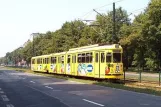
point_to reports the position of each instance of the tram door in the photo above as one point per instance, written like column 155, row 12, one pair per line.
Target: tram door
column 97, row 65
column 69, row 64
column 100, row 64
column 61, row 66
column 73, row 65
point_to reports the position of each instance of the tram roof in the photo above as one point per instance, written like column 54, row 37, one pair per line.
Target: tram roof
column 95, row 48
column 86, row 49
column 41, row 56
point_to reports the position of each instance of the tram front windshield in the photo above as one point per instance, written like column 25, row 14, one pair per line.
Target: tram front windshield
column 116, row 57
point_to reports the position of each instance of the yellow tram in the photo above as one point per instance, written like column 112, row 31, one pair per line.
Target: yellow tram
column 97, row 61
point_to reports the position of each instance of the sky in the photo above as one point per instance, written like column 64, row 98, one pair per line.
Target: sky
column 20, row 18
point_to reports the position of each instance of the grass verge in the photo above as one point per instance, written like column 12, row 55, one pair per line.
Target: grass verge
column 139, row 89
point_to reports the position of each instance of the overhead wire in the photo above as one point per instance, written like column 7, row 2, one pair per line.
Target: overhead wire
column 108, row 4
column 129, row 13
column 136, row 10
column 99, row 8
column 86, row 13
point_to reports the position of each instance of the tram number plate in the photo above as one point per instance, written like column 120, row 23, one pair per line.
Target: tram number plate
column 117, row 69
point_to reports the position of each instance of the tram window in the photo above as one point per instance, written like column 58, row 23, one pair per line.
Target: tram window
column 53, row 60
column 72, row 59
column 90, row 57
column 96, row 57
column 75, row 59
column 47, row 60
column 116, row 57
column 79, row 58
column 37, row 61
column 62, row 59
column 33, row 61
column 83, row 58
column 68, row 59
column 43, row 61
column 108, row 57
column 102, row 57
column 87, row 57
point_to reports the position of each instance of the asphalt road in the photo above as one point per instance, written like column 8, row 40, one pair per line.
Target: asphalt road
column 19, row 89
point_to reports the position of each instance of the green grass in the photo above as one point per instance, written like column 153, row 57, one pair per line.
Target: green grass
column 143, row 77
column 103, row 83
column 122, row 86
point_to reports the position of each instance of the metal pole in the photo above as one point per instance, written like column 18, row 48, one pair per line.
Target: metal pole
column 124, row 77
column 113, row 36
column 159, row 77
column 140, row 76
column 159, row 67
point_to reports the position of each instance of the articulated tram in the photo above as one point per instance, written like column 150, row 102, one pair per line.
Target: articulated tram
column 96, row 61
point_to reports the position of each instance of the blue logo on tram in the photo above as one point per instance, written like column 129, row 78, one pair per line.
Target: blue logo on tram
column 89, row 68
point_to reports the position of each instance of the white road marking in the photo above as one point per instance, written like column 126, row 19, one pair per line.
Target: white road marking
column 93, row 102
column 32, row 81
column 9, row 105
column 4, row 97
column 48, row 95
column 1, row 92
column 56, row 90
column 48, row 87
column 145, row 104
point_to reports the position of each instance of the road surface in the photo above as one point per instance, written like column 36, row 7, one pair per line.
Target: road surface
column 18, row 89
